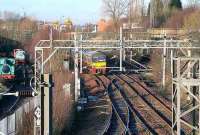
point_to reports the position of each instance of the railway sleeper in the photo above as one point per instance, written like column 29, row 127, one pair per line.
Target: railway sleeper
column 148, row 114
column 153, row 103
column 141, row 127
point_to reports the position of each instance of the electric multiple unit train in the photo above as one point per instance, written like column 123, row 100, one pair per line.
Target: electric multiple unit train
column 94, row 61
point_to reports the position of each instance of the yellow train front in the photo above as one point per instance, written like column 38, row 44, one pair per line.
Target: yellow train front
column 94, row 62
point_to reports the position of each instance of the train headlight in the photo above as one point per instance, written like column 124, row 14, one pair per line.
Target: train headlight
column 6, row 69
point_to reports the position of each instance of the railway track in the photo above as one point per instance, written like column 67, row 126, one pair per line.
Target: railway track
column 120, row 108
column 157, row 106
column 146, row 89
column 124, row 119
column 136, row 109
column 117, row 125
column 163, row 102
column 154, row 122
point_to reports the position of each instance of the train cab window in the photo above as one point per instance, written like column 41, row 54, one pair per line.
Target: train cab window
column 99, row 58
column 8, row 62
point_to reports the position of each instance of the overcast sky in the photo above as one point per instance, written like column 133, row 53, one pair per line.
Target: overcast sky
column 80, row 11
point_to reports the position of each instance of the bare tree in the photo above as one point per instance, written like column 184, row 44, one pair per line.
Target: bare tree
column 166, row 2
column 194, row 3
column 156, row 13
column 136, row 11
column 115, row 9
column 11, row 16
column 1, row 17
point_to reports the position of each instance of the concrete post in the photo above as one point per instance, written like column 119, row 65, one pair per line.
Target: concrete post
column 121, row 50
column 81, row 56
column 46, row 104
column 124, row 54
column 131, row 54
column 76, row 69
column 199, row 94
column 164, row 62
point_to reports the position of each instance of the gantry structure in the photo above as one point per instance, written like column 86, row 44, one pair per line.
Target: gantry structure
column 79, row 43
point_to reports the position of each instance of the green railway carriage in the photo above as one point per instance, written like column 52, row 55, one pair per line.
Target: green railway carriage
column 7, row 68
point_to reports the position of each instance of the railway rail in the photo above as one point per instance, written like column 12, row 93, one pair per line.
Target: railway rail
column 162, row 101
column 117, row 124
column 134, row 125
column 120, row 108
column 154, row 122
column 152, row 100
column 157, row 106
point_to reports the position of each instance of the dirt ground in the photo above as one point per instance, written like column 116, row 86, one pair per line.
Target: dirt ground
column 156, row 65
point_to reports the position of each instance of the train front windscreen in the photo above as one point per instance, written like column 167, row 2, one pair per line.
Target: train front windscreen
column 99, row 59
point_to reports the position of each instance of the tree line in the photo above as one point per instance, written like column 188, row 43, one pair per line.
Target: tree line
column 157, row 13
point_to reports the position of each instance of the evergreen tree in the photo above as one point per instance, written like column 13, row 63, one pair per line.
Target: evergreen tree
column 177, row 4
